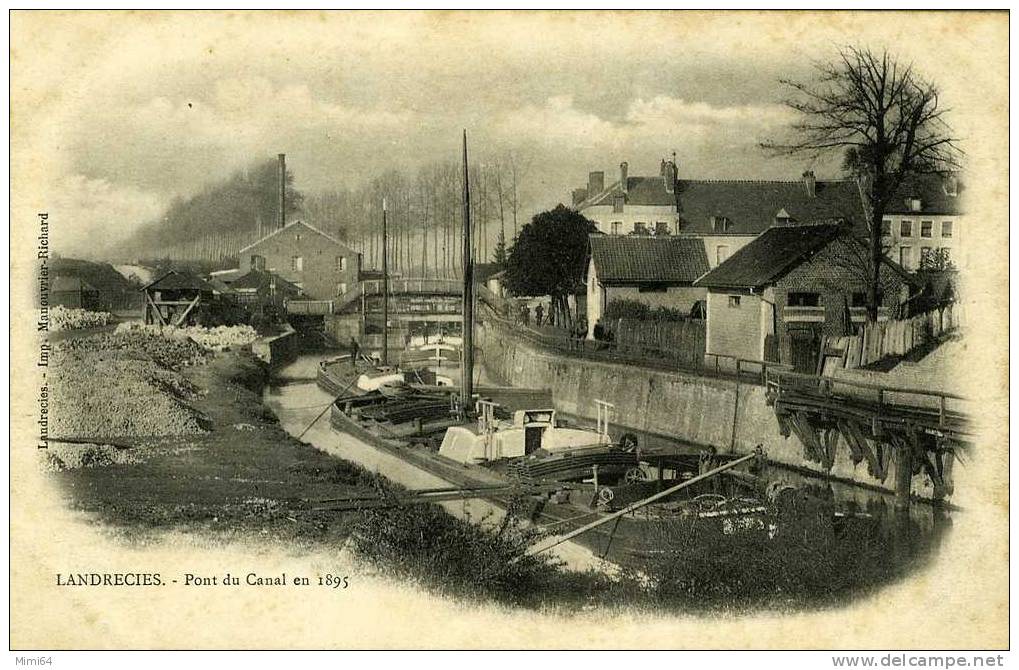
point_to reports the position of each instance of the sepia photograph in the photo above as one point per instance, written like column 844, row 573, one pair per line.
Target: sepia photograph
column 509, row 330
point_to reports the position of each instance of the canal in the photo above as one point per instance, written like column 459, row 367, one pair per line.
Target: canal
column 913, row 533
column 297, row 402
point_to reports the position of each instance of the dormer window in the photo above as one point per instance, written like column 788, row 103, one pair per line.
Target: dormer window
column 914, row 204
column 782, row 217
column 721, row 224
column 617, row 204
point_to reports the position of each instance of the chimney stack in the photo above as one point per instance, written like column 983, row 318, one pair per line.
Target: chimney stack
column 810, row 183
column 281, row 217
column 623, row 168
column 595, row 183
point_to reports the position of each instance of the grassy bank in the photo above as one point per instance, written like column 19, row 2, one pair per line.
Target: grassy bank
column 231, row 471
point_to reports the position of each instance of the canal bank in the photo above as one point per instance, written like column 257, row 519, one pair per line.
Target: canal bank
column 723, row 414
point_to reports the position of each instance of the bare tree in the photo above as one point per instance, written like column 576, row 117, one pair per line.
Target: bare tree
column 886, row 121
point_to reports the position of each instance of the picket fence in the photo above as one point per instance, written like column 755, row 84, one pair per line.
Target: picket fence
column 898, row 337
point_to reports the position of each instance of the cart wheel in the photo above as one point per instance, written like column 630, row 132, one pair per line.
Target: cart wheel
column 634, row 475
column 604, row 497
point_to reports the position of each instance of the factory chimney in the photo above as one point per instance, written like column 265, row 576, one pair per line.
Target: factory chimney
column 281, row 216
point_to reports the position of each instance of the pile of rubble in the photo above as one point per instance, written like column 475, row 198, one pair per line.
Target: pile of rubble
column 219, row 338
column 173, row 352
column 69, row 318
column 123, row 385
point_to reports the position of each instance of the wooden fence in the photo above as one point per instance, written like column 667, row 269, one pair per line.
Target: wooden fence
column 884, row 339
column 683, row 339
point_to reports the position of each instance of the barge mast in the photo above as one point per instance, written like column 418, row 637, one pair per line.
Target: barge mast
column 467, row 369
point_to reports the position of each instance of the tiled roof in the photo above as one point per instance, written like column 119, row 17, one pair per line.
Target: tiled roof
column 750, row 206
column 176, row 280
column 764, row 260
column 930, row 189
column 294, row 223
column 637, row 259
column 260, row 280
column 226, row 276
column 778, row 250
column 639, row 191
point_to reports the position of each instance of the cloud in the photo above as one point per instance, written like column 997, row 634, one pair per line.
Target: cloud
column 176, row 143
column 88, row 214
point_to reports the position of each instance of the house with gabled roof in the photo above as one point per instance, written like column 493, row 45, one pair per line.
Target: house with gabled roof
column 773, row 299
column 724, row 214
column 657, row 271
column 320, row 265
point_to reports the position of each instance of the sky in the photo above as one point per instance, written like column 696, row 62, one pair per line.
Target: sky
column 133, row 110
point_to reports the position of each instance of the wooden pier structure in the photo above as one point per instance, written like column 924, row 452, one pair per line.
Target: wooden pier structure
column 920, row 431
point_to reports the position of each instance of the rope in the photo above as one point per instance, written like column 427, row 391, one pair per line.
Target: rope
column 322, row 413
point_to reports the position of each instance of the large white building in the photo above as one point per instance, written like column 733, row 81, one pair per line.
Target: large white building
column 924, row 217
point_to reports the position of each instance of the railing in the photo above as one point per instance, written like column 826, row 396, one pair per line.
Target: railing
column 741, row 366
column 309, row 307
column 611, row 352
column 425, row 286
column 779, row 381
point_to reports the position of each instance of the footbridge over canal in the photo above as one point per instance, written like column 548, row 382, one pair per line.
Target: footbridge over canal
column 415, row 304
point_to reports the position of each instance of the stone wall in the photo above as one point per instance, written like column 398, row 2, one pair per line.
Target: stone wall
column 278, row 349
column 690, row 408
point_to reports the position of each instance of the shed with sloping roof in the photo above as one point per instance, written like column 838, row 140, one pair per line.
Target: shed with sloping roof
column 177, row 298
column 656, row 271
column 776, row 297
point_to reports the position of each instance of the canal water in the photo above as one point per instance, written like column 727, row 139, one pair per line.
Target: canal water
column 297, row 402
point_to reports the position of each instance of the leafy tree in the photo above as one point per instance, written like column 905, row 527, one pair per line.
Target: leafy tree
column 886, row 122
column 549, row 257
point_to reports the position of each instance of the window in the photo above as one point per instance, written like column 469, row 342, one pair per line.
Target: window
column 915, row 205
column 617, row 204
column 859, row 299
column 926, row 228
column 721, row 224
column 946, row 229
column 341, row 263
column 906, row 257
column 341, row 288
column 804, row 299
column 257, row 262
column 617, row 227
column 297, row 264
column 640, row 228
column 734, row 301
column 886, row 227
column 662, row 228
column 906, row 229
column 721, row 253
